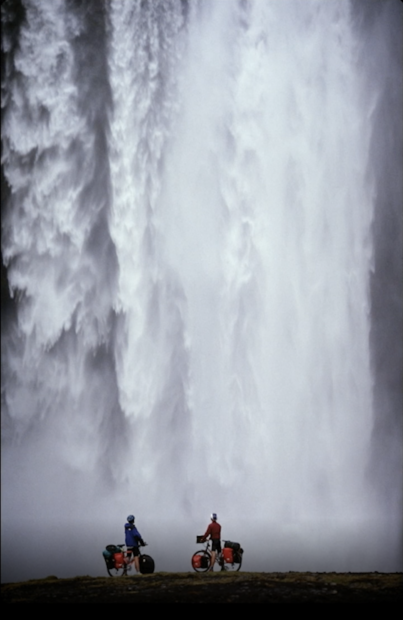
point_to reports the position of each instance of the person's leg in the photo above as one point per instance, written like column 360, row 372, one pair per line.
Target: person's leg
column 129, row 557
column 136, row 559
column 218, row 550
column 215, row 548
column 221, row 560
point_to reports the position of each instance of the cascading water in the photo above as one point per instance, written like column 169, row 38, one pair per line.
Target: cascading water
column 189, row 245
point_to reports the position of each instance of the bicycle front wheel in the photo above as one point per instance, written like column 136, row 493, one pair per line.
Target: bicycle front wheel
column 201, row 561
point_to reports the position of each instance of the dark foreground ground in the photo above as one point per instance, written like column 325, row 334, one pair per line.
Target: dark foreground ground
column 212, row 588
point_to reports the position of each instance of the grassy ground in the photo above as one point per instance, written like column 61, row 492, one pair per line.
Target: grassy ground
column 212, row 588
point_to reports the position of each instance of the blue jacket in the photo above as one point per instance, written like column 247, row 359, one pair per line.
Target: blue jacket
column 132, row 535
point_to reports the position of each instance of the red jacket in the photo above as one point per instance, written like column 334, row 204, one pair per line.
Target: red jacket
column 213, row 530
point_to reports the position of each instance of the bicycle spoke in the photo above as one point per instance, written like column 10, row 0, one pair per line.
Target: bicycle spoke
column 117, row 572
column 201, row 561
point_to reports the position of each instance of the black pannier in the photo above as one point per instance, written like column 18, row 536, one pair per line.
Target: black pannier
column 146, row 564
column 113, row 549
column 232, row 545
column 238, row 556
column 109, row 553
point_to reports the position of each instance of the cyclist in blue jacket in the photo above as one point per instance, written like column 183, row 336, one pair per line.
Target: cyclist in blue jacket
column 132, row 540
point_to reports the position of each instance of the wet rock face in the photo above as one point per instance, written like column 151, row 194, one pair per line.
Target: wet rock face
column 201, row 239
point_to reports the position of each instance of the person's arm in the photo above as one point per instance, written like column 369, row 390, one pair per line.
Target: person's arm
column 139, row 539
column 208, row 531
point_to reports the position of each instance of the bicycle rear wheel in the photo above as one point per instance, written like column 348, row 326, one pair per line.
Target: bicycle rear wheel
column 117, row 572
column 235, row 565
column 201, row 561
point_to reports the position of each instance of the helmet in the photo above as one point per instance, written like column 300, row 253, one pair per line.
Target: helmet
column 130, row 519
column 214, row 516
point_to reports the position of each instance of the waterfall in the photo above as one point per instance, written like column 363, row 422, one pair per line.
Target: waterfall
column 189, row 245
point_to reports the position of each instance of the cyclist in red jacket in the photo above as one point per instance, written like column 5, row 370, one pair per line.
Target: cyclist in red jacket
column 214, row 531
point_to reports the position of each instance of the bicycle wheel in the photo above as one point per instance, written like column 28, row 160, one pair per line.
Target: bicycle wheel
column 117, row 566
column 117, row 572
column 235, row 565
column 201, row 561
